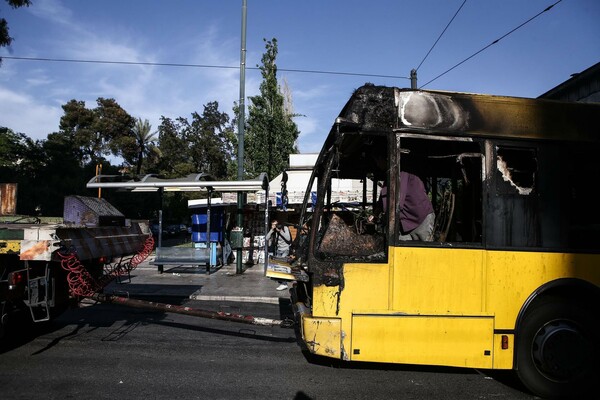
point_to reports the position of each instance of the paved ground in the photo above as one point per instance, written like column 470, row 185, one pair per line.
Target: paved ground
column 222, row 283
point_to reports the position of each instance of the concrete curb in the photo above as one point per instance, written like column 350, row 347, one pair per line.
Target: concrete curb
column 241, row 299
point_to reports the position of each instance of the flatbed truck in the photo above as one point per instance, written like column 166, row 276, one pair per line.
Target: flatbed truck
column 46, row 266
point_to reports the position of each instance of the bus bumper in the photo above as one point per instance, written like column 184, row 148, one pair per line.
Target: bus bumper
column 322, row 336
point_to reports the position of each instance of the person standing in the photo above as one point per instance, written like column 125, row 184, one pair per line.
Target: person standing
column 279, row 239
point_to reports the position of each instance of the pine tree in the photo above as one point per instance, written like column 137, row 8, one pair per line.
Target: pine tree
column 271, row 133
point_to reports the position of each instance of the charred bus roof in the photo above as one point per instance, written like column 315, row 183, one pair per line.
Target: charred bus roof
column 386, row 109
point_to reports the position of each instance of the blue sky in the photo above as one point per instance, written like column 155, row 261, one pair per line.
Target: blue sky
column 377, row 37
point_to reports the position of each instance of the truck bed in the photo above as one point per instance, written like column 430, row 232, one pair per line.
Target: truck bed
column 40, row 241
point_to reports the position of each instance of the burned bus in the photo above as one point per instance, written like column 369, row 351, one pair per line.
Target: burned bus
column 510, row 275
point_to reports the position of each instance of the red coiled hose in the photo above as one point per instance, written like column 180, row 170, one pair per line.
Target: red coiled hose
column 82, row 284
column 144, row 253
column 79, row 279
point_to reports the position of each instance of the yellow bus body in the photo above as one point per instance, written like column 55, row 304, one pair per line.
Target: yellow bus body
column 508, row 276
column 435, row 306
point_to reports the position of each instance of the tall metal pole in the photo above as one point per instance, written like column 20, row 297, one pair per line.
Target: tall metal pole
column 241, row 126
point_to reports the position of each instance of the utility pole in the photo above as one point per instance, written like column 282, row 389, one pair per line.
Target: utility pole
column 413, row 78
column 241, row 126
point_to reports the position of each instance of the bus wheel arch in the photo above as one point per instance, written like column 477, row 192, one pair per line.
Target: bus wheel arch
column 557, row 349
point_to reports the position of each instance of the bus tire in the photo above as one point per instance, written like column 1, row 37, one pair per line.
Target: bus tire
column 557, row 349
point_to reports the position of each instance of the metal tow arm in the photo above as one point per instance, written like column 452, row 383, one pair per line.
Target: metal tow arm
column 176, row 309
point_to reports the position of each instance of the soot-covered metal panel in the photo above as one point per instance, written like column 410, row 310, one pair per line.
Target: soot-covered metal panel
column 91, row 211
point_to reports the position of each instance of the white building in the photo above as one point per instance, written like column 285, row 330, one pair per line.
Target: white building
column 299, row 172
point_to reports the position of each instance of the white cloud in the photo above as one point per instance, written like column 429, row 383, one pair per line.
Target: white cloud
column 143, row 91
column 40, row 81
column 52, row 10
column 41, row 119
column 147, row 91
column 311, row 93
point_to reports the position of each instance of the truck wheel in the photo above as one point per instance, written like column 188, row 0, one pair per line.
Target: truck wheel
column 557, row 349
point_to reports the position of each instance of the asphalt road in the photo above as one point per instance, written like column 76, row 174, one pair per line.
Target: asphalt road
column 114, row 352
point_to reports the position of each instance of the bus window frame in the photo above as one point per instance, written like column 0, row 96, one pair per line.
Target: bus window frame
column 324, row 173
column 459, row 141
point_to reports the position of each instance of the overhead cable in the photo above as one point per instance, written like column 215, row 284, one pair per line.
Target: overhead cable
column 155, row 64
column 494, row 42
column 441, row 34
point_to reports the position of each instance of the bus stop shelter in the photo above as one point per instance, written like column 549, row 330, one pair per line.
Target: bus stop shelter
column 193, row 183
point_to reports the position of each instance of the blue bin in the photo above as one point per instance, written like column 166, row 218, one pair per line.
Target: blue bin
column 216, row 226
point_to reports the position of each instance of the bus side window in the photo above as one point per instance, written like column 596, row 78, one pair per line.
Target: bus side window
column 452, row 173
column 457, row 201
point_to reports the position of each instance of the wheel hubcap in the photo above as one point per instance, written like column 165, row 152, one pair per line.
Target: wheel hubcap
column 560, row 351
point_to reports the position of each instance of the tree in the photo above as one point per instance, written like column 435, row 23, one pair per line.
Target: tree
column 11, row 148
column 5, row 39
column 25, row 162
column 114, row 126
column 62, row 174
column 20, row 156
column 102, row 131
column 77, row 128
column 271, row 133
column 144, row 143
column 202, row 145
column 209, row 142
column 174, row 162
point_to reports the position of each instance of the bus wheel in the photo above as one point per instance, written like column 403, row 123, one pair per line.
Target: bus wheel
column 557, row 349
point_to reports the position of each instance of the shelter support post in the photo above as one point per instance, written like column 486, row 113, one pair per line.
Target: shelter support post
column 240, row 223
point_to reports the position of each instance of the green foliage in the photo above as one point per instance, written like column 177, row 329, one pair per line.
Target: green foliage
column 202, row 145
column 59, row 175
column 114, row 125
column 21, row 158
column 61, row 165
column 12, row 147
column 172, row 145
column 232, row 138
column 141, row 145
column 95, row 133
column 5, row 38
column 271, row 133
column 44, row 171
column 208, row 136
column 77, row 128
